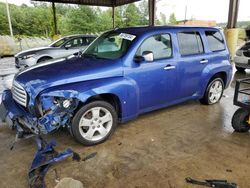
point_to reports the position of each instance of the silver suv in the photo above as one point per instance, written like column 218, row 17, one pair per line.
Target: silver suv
column 63, row 47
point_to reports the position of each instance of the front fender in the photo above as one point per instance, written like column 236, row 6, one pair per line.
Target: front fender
column 124, row 89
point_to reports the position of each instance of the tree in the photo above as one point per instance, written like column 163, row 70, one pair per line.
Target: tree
column 81, row 19
column 143, row 9
column 132, row 16
column 172, row 19
column 163, row 18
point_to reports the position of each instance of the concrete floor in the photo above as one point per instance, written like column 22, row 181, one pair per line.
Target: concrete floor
column 159, row 149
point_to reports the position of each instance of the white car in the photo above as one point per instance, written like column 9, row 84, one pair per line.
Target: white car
column 61, row 48
column 242, row 58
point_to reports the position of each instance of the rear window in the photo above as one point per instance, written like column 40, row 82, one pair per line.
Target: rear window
column 190, row 43
column 215, row 41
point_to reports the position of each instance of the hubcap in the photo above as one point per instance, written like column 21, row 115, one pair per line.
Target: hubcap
column 215, row 92
column 95, row 124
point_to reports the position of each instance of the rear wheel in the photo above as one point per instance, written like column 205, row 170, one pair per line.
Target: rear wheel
column 240, row 69
column 240, row 120
column 213, row 92
column 94, row 123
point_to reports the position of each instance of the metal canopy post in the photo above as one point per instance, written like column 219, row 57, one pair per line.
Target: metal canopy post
column 9, row 20
column 151, row 11
column 113, row 16
column 54, row 18
column 233, row 14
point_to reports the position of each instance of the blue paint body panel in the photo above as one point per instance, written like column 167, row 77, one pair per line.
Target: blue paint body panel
column 139, row 87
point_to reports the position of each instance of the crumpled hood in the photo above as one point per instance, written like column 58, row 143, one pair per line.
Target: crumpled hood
column 31, row 51
column 65, row 71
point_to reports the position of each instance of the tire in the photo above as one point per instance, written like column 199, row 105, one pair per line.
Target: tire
column 213, row 92
column 43, row 59
column 240, row 69
column 88, row 123
column 239, row 120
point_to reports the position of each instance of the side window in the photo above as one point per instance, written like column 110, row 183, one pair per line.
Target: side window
column 190, row 43
column 215, row 41
column 84, row 42
column 74, row 43
column 90, row 40
column 160, row 45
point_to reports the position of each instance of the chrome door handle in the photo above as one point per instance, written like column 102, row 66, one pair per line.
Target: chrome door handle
column 203, row 61
column 169, row 67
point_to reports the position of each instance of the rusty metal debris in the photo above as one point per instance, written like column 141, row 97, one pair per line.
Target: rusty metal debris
column 212, row 183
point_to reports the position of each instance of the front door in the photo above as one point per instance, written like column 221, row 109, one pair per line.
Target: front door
column 156, row 80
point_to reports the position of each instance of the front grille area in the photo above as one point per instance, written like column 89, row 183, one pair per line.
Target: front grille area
column 19, row 94
column 246, row 53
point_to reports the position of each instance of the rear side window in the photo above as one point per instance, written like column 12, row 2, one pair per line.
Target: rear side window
column 215, row 41
column 190, row 43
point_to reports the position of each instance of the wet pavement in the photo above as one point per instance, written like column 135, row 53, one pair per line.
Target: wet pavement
column 158, row 149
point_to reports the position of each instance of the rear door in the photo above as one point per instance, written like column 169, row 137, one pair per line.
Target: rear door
column 192, row 61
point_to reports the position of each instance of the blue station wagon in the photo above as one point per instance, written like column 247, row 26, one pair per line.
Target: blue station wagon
column 123, row 73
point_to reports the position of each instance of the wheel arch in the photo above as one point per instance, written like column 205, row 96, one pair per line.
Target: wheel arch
column 221, row 74
column 108, row 97
column 45, row 56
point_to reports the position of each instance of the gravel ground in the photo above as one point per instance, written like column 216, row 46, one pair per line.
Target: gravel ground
column 7, row 72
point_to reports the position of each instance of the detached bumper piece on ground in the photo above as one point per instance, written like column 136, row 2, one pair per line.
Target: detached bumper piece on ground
column 212, row 183
column 44, row 158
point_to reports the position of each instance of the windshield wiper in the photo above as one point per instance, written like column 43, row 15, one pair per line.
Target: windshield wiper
column 91, row 55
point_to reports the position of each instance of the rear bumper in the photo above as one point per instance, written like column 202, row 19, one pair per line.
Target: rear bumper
column 242, row 61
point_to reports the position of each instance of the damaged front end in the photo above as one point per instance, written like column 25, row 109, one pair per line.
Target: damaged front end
column 50, row 112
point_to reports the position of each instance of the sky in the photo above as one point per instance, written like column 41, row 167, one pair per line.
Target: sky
column 198, row 9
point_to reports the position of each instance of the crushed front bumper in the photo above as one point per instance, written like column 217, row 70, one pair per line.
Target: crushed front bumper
column 17, row 117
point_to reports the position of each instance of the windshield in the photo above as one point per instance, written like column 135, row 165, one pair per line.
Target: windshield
column 59, row 42
column 110, row 45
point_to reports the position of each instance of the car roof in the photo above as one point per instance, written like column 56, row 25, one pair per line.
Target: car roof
column 143, row 29
column 79, row 35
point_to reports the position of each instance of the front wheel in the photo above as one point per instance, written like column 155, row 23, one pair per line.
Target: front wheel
column 213, row 92
column 240, row 120
column 94, row 123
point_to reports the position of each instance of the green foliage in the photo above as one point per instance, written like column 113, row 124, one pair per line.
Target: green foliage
column 163, row 19
column 78, row 20
column 172, row 19
column 37, row 20
column 132, row 16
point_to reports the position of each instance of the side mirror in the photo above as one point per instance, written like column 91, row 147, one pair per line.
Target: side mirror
column 79, row 53
column 148, row 56
column 67, row 46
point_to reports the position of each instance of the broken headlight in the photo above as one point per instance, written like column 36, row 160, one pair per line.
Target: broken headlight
column 55, row 104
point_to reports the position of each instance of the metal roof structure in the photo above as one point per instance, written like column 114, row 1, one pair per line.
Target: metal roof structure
column 107, row 3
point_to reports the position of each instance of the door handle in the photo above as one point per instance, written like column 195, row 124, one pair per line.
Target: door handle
column 169, row 67
column 203, row 61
